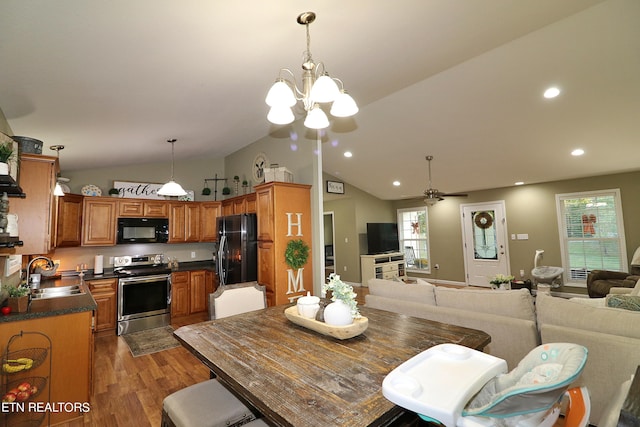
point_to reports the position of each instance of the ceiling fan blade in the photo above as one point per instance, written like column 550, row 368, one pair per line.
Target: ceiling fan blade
column 453, row 195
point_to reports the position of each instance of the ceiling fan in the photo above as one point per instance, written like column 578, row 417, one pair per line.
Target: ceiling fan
column 432, row 195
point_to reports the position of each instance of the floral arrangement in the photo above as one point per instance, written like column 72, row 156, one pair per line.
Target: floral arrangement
column 499, row 279
column 342, row 291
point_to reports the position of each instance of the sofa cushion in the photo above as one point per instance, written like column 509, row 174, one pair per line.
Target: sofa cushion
column 517, row 304
column 421, row 292
column 625, row 302
column 568, row 313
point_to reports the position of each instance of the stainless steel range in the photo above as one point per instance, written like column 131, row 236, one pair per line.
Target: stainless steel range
column 144, row 292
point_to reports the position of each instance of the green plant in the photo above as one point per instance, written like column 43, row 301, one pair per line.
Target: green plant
column 296, row 254
column 236, row 178
column 206, row 191
column 245, row 183
column 114, row 191
column 342, row 291
column 17, row 291
column 226, row 191
column 6, row 152
column 499, row 279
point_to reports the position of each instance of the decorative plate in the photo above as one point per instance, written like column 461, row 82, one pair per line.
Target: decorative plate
column 91, row 190
column 259, row 163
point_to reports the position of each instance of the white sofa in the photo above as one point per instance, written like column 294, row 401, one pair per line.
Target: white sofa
column 516, row 326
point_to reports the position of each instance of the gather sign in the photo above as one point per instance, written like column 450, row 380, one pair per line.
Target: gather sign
column 138, row 190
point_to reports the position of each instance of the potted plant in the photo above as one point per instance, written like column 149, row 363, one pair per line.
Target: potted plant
column 6, row 153
column 500, row 281
column 114, row 192
column 344, row 307
column 18, row 298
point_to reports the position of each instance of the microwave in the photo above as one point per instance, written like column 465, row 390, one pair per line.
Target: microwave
column 143, row 230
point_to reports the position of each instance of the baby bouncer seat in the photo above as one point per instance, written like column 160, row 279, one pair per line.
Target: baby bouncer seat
column 457, row 386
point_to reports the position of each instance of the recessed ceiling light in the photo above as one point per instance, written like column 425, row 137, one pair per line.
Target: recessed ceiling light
column 577, row 152
column 552, row 92
column 396, row 183
column 348, row 154
column 519, row 183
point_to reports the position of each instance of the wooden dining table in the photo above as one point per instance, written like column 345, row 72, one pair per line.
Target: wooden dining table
column 298, row 377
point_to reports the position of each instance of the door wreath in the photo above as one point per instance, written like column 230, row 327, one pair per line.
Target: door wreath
column 296, row 253
column 483, row 220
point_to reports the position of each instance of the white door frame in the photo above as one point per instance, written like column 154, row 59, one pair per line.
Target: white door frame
column 501, row 230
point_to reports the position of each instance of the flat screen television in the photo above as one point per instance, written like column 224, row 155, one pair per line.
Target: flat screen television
column 382, row 237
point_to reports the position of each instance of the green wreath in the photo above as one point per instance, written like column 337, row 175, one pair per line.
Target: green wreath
column 296, row 254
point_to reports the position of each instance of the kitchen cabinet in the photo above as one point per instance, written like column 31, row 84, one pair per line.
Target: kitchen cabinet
column 284, row 214
column 104, row 292
column 239, row 204
column 71, row 357
column 190, row 292
column 209, row 213
column 36, row 212
column 184, row 222
column 99, row 221
column 131, row 208
column 68, row 231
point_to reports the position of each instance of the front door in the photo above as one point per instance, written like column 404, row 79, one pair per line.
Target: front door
column 484, row 231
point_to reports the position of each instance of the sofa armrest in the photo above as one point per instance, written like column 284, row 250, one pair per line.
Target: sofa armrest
column 620, row 291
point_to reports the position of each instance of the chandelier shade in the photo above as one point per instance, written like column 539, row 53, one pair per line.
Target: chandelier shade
column 57, row 190
column 317, row 87
column 316, row 119
column 171, row 188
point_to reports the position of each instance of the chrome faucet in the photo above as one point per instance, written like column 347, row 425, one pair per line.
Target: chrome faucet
column 49, row 261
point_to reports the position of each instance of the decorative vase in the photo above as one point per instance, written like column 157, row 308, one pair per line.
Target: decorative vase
column 338, row 314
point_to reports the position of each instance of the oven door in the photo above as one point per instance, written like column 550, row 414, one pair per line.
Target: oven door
column 144, row 296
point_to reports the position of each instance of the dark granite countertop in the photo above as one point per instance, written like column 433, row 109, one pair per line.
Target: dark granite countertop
column 56, row 306
column 84, row 302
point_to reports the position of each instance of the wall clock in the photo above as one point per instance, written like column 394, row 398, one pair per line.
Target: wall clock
column 259, row 163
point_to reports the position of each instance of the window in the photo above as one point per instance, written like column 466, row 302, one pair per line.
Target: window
column 413, row 233
column 591, row 233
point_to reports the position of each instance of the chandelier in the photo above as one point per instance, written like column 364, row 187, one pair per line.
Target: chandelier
column 171, row 188
column 317, row 88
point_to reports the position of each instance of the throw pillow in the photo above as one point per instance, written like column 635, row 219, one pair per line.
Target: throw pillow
column 626, row 302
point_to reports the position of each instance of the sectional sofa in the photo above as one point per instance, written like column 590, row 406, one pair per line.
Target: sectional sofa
column 518, row 322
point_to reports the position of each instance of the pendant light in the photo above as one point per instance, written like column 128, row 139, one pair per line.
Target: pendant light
column 57, row 190
column 171, row 188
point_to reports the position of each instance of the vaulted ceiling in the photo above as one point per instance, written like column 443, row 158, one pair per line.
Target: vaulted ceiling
column 460, row 80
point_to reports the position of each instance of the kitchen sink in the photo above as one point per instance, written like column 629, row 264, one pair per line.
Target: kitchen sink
column 57, row 291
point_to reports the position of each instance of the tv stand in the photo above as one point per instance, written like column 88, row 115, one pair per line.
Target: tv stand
column 382, row 266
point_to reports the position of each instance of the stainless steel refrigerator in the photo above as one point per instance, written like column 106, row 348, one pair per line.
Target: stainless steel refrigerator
column 237, row 255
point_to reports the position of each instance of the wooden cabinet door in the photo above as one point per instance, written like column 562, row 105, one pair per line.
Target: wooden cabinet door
column 197, row 291
column 192, row 222
column 250, row 203
column 264, row 209
column 180, row 294
column 227, row 207
column 69, row 225
column 99, row 222
column 130, row 208
column 155, row 209
column 266, row 270
column 177, row 212
column 209, row 213
column 104, row 292
column 36, row 212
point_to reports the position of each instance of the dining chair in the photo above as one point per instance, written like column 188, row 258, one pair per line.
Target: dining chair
column 209, row 403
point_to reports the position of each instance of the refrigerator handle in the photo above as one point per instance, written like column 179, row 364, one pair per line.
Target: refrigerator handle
column 221, row 260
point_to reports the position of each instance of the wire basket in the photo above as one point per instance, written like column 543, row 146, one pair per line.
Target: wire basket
column 22, row 360
column 31, row 385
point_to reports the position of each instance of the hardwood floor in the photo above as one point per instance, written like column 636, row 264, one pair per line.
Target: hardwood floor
column 129, row 391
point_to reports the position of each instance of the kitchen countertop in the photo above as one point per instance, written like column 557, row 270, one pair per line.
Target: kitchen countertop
column 56, row 306
column 84, row 302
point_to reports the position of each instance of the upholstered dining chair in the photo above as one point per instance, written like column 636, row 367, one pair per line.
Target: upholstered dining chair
column 209, row 403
